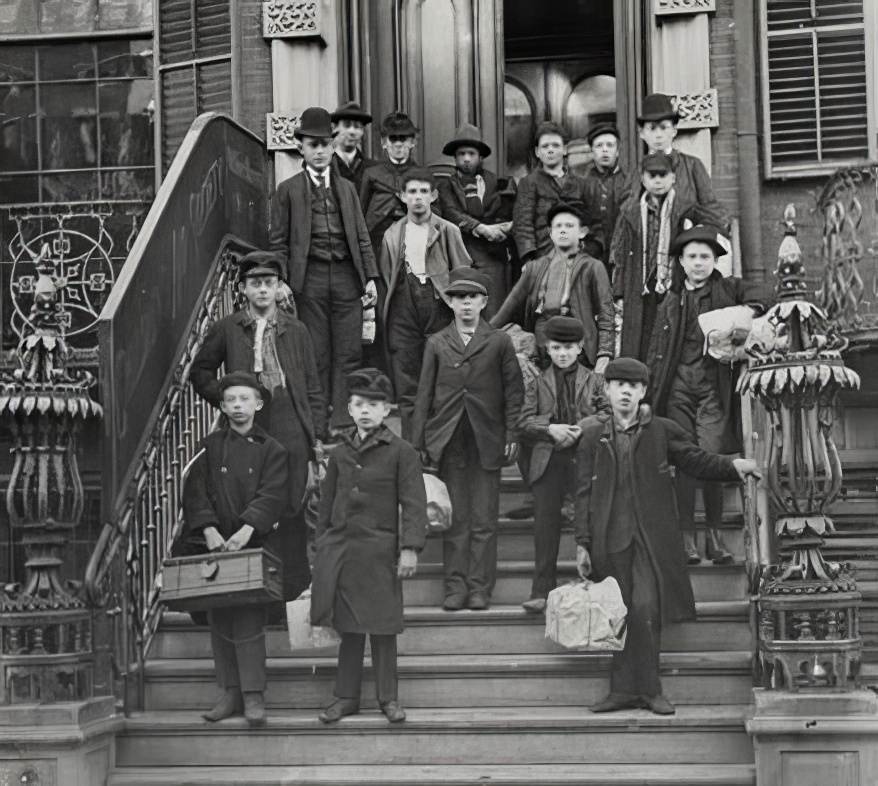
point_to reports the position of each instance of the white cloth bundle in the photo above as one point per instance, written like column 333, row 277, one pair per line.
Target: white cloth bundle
column 587, row 616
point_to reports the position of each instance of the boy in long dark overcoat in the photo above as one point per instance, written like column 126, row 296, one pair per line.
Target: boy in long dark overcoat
column 565, row 282
column 606, row 185
column 472, row 199
column 694, row 390
column 627, row 527
column 349, row 123
column 564, row 394
column 372, row 524
column 466, row 423
column 275, row 346
column 232, row 498
column 318, row 228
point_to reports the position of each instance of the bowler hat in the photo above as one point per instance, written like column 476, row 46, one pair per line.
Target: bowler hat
column 259, row 263
column 314, row 122
column 657, row 106
column 466, row 281
column 351, row 111
column 567, row 330
column 467, row 135
column 398, row 124
column 697, row 234
column 657, row 162
column 627, row 370
column 369, row 383
column 600, row 129
column 574, row 208
column 243, row 379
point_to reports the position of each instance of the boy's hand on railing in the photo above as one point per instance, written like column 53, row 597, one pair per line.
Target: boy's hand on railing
column 746, row 467
column 240, row 539
column 408, row 563
column 213, row 539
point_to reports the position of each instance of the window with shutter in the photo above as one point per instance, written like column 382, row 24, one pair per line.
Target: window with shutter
column 194, row 66
column 817, row 85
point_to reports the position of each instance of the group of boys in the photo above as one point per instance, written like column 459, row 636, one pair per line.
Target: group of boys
column 349, row 234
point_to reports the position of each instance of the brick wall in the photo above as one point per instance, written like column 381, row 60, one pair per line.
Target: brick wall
column 722, row 77
column 254, row 73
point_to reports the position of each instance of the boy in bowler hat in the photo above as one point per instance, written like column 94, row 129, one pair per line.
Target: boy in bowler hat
column 606, row 185
column 627, row 527
column 473, row 199
column 317, row 226
column 272, row 344
column 349, row 123
column 372, row 524
column 691, row 388
column 233, row 496
column 466, row 422
column 564, row 394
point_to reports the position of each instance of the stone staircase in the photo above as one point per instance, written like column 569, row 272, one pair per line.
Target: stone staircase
column 489, row 699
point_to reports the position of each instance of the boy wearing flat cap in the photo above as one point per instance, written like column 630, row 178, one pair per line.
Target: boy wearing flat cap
column 694, row 390
column 465, row 422
column 627, row 527
column 563, row 395
column 318, row 228
column 473, row 199
column 233, row 496
column 275, row 346
column 417, row 254
column 349, row 123
column 639, row 256
column 372, row 524
column 566, row 282
column 606, row 185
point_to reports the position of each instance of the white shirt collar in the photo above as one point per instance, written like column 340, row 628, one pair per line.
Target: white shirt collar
column 317, row 176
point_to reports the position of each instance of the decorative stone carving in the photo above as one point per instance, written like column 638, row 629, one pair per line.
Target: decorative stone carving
column 280, row 130
column 680, row 7
column 698, row 110
column 291, row 19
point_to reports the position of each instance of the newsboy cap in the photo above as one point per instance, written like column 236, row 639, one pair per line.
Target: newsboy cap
column 697, row 234
column 398, row 124
column 351, row 111
column 314, row 122
column 574, row 208
column 657, row 106
column 567, row 330
column 600, row 129
column 243, row 379
column 466, row 281
column 627, row 370
column 657, row 162
column 369, row 383
column 259, row 263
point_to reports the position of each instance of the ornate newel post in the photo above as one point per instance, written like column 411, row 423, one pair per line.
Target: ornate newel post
column 46, row 652
column 811, row 723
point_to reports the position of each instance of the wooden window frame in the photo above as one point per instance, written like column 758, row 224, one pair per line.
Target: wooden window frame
column 819, row 168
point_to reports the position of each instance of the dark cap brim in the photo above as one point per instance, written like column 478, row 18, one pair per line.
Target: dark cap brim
column 450, row 148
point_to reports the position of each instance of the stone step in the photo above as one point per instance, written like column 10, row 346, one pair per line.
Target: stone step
column 709, row 582
column 474, row 736
column 579, row 774
column 461, row 681
column 509, row 629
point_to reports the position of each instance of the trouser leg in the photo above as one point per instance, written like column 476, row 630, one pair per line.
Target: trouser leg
column 496, row 274
column 548, row 493
column 484, row 500
column 455, row 541
column 347, row 347
column 710, row 425
column 349, row 677
column 406, row 362
column 315, row 313
column 221, row 637
column 384, row 667
column 682, row 409
column 238, row 640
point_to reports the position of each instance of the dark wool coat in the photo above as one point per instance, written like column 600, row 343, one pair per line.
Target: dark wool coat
column 667, row 343
column 482, row 379
column 353, row 173
column 591, row 302
column 605, row 193
column 372, row 506
column 236, row 480
column 626, row 261
column 290, row 233
column 537, row 192
column 295, row 417
column 540, row 410
column 658, row 444
column 497, row 207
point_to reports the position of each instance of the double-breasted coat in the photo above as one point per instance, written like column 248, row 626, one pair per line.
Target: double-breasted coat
column 481, row 378
column 372, row 506
column 605, row 193
column 658, row 444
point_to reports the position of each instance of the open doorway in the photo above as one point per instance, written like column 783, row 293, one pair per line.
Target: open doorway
column 560, row 65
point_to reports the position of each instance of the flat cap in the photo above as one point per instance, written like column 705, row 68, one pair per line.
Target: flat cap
column 369, row 383
column 243, row 379
column 466, row 280
column 600, row 129
column 700, row 233
column 260, row 263
column 657, row 162
column 574, row 208
column 627, row 370
column 567, row 330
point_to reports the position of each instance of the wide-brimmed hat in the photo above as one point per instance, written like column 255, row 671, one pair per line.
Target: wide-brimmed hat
column 467, row 135
column 697, row 234
column 398, row 124
column 314, row 122
column 600, row 129
column 259, row 263
column 243, row 379
column 657, row 106
column 369, row 383
column 351, row 111
column 466, row 281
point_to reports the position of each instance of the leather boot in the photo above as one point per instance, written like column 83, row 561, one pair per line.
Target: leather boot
column 230, row 703
column 692, row 556
column 254, row 708
column 715, row 549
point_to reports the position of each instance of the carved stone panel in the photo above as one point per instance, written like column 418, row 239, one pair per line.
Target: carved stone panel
column 280, row 128
column 698, row 110
column 676, row 7
column 291, row 19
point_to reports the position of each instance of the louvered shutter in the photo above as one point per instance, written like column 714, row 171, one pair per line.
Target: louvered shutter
column 194, row 66
column 816, row 86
